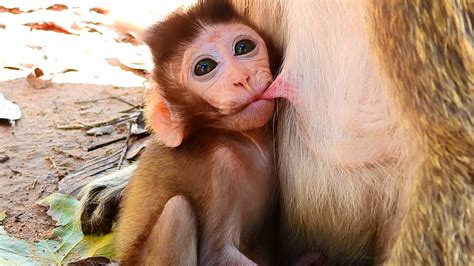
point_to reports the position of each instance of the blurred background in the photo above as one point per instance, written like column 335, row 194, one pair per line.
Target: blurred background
column 78, row 41
column 66, row 67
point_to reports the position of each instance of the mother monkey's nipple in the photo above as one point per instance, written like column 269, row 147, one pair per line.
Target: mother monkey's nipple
column 281, row 87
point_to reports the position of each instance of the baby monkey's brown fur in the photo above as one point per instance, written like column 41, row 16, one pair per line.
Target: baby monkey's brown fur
column 218, row 174
column 208, row 194
column 425, row 48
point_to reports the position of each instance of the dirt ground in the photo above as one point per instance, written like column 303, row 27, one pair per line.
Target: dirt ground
column 85, row 62
column 41, row 155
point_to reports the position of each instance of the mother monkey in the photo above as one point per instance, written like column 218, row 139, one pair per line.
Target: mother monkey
column 375, row 150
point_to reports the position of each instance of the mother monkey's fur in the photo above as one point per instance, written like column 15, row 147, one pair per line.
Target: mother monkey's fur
column 376, row 152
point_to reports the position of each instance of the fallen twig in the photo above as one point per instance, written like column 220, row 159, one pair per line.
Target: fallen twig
column 95, row 147
column 70, row 126
column 73, row 183
column 67, row 154
column 106, row 98
column 125, row 148
column 80, row 125
column 34, row 184
column 131, row 109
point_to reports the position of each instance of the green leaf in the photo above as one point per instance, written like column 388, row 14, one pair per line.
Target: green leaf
column 3, row 215
column 67, row 245
column 15, row 251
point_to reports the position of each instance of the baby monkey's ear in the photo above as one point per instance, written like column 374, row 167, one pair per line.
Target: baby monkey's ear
column 161, row 120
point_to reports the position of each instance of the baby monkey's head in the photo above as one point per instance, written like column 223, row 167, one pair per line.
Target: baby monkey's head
column 211, row 67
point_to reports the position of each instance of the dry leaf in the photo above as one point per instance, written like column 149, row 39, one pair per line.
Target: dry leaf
column 48, row 26
column 12, row 67
column 68, row 70
column 134, row 68
column 69, row 243
column 76, row 27
column 38, row 72
column 127, row 37
column 137, row 147
column 37, row 79
column 14, row 10
column 92, row 30
column 100, row 10
column 57, row 7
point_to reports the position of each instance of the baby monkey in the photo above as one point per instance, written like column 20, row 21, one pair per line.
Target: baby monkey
column 206, row 192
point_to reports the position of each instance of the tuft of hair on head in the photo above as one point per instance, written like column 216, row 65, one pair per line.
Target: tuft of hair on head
column 183, row 26
column 166, row 37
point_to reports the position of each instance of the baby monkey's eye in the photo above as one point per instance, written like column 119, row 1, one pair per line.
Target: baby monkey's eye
column 204, row 66
column 244, row 47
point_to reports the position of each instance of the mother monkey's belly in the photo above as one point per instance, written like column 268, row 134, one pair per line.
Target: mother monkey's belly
column 337, row 143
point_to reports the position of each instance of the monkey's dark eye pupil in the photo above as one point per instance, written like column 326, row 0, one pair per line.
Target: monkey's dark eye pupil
column 204, row 67
column 244, row 47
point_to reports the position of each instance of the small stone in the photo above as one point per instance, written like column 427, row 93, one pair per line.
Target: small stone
column 4, row 158
column 101, row 131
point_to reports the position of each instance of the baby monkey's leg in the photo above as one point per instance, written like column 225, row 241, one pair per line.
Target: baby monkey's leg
column 173, row 239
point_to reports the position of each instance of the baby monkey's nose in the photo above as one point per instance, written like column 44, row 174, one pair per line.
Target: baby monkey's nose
column 243, row 82
column 241, row 78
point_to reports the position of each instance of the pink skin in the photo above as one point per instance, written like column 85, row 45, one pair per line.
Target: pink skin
column 280, row 88
column 234, row 87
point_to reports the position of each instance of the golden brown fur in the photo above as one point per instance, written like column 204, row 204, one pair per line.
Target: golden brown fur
column 207, row 185
column 328, row 204
column 426, row 50
column 419, row 52
column 160, row 176
column 455, row 76
column 416, row 59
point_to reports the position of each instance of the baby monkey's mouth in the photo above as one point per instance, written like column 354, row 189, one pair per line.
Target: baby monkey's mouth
column 254, row 113
column 254, row 102
column 243, row 107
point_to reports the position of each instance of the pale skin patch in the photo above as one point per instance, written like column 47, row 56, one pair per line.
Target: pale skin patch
column 237, row 81
column 234, row 87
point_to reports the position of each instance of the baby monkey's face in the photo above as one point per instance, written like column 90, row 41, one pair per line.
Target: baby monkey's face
column 228, row 66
